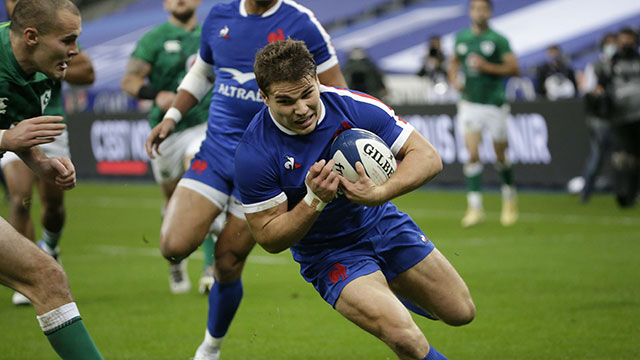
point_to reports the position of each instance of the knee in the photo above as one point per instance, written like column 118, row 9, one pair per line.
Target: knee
column 462, row 313
column 20, row 204
column 408, row 342
column 228, row 265
column 50, row 283
column 172, row 248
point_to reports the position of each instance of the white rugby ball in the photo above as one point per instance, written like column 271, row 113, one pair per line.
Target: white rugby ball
column 355, row 145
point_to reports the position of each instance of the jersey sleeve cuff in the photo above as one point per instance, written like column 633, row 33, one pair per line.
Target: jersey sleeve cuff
column 264, row 205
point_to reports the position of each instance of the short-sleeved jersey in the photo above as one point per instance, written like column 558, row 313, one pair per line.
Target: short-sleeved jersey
column 230, row 40
column 22, row 96
column 272, row 162
column 480, row 87
column 171, row 51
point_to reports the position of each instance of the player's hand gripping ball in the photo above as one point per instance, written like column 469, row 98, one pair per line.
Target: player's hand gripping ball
column 355, row 145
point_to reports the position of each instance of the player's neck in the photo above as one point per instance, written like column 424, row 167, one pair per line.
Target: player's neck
column 258, row 7
column 188, row 25
column 479, row 28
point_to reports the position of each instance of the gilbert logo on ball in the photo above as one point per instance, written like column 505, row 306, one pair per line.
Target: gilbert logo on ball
column 355, row 145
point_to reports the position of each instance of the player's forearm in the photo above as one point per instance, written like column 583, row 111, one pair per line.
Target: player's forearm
column 452, row 72
column 508, row 67
column 33, row 157
column 286, row 229
column 420, row 163
column 184, row 101
column 131, row 85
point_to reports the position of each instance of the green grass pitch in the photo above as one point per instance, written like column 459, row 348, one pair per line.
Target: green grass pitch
column 563, row 283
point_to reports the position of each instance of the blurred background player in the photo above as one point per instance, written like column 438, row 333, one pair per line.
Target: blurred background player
column 163, row 56
column 36, row 48
column 555, row 78
column 622, row 86
column 598, row 113
column 355, row 247
column 231, row 35
column 20, row 178
column 486, row 59
column 362, row 74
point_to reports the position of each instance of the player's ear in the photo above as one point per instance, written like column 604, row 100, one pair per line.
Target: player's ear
column 264, row 97
column 31, row 35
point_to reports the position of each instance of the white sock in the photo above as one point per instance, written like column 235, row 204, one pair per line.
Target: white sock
column 508, row 192
column 474, row 199
column 58, row 317
column 212, row 342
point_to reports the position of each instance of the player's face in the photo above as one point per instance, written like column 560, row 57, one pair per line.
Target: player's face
column 182, row 9
column 295, row 105
column 55, row 49
column 479, row 12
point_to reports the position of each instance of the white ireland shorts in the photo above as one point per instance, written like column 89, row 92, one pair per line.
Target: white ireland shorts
column 58, row 148
column 178, row 146
column 475, row 117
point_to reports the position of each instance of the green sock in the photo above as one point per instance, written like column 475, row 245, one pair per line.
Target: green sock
column 473, row 174
column 506, row 173
column 51, row 238
column 208, row 246
column 68, row 335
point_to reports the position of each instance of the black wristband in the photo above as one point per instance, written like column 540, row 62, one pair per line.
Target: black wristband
column 147, row 92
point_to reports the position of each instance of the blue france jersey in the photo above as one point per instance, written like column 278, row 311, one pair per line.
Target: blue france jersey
column 230, row 40
column 272, row 162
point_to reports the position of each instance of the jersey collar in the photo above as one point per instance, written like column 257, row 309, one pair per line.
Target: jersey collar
column 289, row 132
column 274, row 8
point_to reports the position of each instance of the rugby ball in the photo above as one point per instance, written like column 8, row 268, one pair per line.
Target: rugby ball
column 355, row 145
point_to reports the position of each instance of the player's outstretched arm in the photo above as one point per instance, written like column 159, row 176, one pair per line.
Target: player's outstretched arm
column 31, row 132
column 420, row 162
column 277, row 229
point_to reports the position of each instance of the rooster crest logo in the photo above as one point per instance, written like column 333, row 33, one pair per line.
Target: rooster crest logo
column 224, row 33
column 291, row 164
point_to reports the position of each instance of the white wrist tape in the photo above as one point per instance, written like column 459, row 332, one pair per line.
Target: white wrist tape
column 313, row 200
column 174, row 114
column 1, row 135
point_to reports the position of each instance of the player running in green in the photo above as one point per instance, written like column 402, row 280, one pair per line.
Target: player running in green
column 163, row 56
column 486, row 59
column 20, row 179
column 36, row 49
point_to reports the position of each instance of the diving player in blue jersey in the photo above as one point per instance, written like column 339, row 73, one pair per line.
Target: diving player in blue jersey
column 231, row 36
column 356, row 248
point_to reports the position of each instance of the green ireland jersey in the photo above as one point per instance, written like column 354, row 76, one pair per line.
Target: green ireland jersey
column 480, row 87
column 171, row 51
column 22, row 96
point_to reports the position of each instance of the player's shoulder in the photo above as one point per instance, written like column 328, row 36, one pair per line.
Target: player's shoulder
column 347, row 97
column 224, row 9
column 464, row 34
column 496, row 35
column 293, row 7
column 157, row 31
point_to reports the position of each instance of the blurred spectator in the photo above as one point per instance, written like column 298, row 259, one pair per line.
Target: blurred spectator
column 598, row 110
column 433, row 66
column 362, row 74
column 621, row 84
column 555, row 78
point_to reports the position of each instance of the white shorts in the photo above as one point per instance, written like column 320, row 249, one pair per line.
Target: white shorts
column 225, row 202
column 58, row 148
column 476, row 117
column 170, row 165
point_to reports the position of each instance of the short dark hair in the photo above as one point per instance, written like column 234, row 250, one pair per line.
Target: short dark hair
column 629, row 31
column 41, row 14
column 283, row 61
column 607, row 36
column 489, row 2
